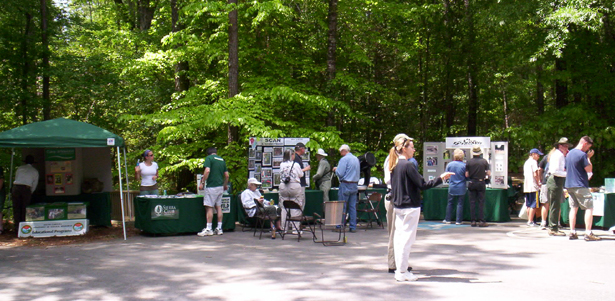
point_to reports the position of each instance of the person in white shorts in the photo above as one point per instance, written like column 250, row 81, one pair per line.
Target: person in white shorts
column 215, row 176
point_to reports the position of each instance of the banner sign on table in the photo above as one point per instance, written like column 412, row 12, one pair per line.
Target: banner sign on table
column 160, row 211
column 53, row 228
column 226, row 204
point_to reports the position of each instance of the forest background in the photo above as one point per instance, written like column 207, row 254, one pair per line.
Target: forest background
column 178, row 76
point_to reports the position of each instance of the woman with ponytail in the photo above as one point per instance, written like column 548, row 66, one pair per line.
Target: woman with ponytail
column 406, row 186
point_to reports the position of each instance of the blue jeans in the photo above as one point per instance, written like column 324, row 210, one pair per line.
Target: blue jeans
column 348, row 194
column 449, row 207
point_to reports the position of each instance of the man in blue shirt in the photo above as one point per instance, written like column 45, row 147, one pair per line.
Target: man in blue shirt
column 456, row 187
column 578, row 167
column 347, row 171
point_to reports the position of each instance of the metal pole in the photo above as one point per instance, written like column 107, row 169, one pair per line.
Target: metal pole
column 119, row 170
column 10, row 194
column 127, row 185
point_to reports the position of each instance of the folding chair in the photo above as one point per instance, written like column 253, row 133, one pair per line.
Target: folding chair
column 246, row 221
column 334, row 217
column 261, row 218
column 372, row 209
column 290, row 220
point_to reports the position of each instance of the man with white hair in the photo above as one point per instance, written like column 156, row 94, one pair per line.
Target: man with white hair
column 347, row 171
column 250, row 196
column 322, row 178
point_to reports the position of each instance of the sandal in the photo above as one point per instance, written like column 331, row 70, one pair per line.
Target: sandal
column 272, row 233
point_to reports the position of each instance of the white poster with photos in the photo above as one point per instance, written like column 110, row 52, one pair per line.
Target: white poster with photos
column 499, row 164
column 265, row 156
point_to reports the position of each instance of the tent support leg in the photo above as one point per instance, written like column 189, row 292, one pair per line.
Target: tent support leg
column 119, row 170
column 128, row 198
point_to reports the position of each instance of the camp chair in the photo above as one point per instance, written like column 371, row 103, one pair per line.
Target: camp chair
column 333, row 218
column 261, row 218
column 245, row 220
column 291, row 205
column 371, row 208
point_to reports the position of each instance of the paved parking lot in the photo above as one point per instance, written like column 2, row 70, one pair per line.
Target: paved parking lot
column 506, row 261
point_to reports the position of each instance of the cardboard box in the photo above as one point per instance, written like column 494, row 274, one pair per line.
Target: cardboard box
column 55, row 211
column 76, row 210
column 35, row 213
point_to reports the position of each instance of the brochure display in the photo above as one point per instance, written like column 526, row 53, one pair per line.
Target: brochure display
column 265, row 156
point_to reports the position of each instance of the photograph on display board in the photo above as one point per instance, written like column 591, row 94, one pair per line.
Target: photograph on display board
column 431, row 150
column 50, row 179
column 432, row 161
column 267, row 150
column 267, row 172
column 267, row 159
column 446, row 155
column 250, row 174
column 499, row 166
column 276, row 179
column 259, row 155
column 69, row 179
column 292, row 148
column 498, row 180
column 35, row 213
column 306, row 156
column 57, row 179
column 251, row 153
column 257, row 176
column 499, row 149
column 278, row 151
column 276, row 162
column 59, row 190
column 56, row 213
column 266, row 183
column 257, row 168
column 251, row 164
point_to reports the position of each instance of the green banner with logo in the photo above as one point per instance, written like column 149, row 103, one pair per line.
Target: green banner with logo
column 59, row 154
column 160, row 211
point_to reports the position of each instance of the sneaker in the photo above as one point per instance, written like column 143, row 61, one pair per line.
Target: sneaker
column 446, row 222
column 473, row 224
column 543, row 226
column 458, row 223
column 218, row 231
column 352, row 230
column 573, row 236
column 531, row 224
column 295, row 232
column 408, row 276
column 206, row 232
column 591, row 237
column 483, row 224
column 556, row 233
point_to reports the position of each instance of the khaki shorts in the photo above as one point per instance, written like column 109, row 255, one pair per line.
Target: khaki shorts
column 213, row 196
column 580, row 197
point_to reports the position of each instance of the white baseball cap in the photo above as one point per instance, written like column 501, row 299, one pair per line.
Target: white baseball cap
column 254, row 181
column 344, row 146
column 321, row 152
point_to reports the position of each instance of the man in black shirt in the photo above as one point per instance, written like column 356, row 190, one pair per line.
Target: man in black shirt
column 477, row 169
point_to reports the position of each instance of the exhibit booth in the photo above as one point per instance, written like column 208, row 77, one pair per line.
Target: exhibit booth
column 74, row 161
column 265, row 156
column 437, row 155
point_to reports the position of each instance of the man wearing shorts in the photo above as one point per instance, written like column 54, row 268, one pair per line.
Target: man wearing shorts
column 577, row 182
column 531, row 184
column 215, row 176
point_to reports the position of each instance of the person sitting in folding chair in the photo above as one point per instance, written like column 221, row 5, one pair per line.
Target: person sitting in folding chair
column 251, row 194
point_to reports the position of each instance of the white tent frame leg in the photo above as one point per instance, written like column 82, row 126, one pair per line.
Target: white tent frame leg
column 119, row 170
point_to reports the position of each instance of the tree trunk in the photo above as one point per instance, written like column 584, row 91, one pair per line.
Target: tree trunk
column 145, row 12
column 233, row 64
column 472, row 72
column 182, row 82
column 448, row 95
column 561, row 87
column 25, row 94
column 46, row 100
column 331, row 53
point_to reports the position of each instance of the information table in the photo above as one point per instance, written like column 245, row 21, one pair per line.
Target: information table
column 168, row 215
column 606, row 221
column 98, row 210
column 436, row 199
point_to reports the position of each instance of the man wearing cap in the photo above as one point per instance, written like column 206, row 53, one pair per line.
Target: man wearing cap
column 531, row 184
column 477, row 169
column 322, row 178
column 578, row 168
column 300, row 151
column 26, row 179
column 556, row 176
column 250, row 196
column 347, row 171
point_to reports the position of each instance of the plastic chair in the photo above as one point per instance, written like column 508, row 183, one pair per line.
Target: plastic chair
column 334, row 219
column 290, row 220
column 372, row 209
column 246, row 221
column 261, row 217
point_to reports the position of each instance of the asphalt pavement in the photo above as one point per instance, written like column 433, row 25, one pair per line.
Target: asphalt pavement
column 506, row 261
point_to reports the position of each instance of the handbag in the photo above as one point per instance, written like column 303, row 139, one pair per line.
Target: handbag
column 287, row 179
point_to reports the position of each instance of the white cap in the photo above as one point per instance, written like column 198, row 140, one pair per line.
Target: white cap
column 344, row 146
column 321, row 152
column 254, row 181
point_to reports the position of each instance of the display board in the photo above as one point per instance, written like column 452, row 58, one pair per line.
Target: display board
column 265, row 156
column 63, row 171
column 499, row 164
column 433, row 160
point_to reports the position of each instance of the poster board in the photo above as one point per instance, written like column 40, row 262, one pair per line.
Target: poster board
column 433, row 164
column 265, row 156
column 499, row 164
column 63, row 171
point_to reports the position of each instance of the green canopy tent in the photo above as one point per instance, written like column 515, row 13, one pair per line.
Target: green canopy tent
column 63, row 133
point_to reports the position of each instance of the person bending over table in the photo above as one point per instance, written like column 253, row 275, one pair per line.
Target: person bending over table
column 147, row 171
column 290, row 188
column 247, row 199
column 406, row 186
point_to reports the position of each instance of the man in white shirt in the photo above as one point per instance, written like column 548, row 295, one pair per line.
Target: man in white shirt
column 556, row 177
column 248, row 198
column 531, row 184
column 26, row 179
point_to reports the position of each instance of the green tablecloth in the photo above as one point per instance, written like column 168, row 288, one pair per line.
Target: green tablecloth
column 191, row 217
column 606, row 221
column 98, row 210
column 436, row 199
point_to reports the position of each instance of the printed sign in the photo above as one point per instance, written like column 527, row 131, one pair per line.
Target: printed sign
column 160, row 211
column 59, row 154
column 226, row 204
column 53, row 228
column 468, row 142
column 111, row 141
